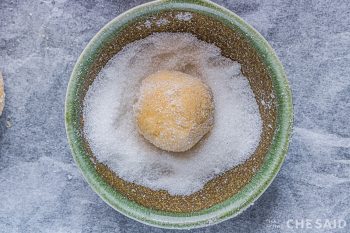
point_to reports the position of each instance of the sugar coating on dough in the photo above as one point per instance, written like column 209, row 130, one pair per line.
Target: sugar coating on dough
column 174, row 110
column 112, row 132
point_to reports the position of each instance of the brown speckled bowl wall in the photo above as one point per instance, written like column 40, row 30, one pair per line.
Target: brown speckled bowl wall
column 234, row 46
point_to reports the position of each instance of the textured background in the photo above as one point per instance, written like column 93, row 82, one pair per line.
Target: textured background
column 41, row 189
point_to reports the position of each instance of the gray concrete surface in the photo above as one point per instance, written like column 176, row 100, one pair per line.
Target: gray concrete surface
column 41, row 189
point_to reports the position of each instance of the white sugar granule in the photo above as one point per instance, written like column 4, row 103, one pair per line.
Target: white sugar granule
column 184, row 16
column 110, row 127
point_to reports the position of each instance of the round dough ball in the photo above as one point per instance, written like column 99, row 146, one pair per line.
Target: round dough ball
column 174, row 110
column 2, row 94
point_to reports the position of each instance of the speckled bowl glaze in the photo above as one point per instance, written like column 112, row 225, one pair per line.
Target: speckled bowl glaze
column 228, row 194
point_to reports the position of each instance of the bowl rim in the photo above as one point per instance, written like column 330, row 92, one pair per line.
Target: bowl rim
column 274, row 157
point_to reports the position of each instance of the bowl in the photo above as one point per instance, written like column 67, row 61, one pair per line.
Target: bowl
column 228, row 194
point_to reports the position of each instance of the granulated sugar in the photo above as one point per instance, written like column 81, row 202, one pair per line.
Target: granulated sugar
column 109, row 122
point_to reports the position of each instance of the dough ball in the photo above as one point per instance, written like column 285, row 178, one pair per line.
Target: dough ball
column 2, row 94
column 174, row 110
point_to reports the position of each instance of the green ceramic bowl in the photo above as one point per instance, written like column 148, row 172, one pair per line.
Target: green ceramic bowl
column 218, row 200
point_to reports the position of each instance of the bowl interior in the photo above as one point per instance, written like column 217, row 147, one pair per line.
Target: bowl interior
column 235, row 44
